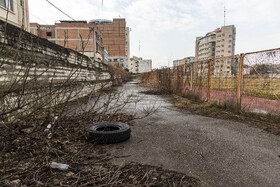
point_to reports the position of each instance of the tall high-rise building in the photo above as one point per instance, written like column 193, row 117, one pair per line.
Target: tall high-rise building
column 183, row 61
column 218, row 43
column 114, row 35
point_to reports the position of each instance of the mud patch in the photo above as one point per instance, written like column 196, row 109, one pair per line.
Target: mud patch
column 156, row 92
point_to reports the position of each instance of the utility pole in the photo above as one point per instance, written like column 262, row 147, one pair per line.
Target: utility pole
column 224, row 15
column 139, row 47
column 94, row 43
column 102, row 9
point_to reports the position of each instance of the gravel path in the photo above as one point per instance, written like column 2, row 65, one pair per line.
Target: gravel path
column 219, row 152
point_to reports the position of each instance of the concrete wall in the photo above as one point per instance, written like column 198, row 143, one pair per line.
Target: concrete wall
column 36, row 74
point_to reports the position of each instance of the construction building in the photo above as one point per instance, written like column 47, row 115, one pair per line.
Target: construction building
column 78, row 35
column 15, row 12
column 115, row 36
column 218, row 43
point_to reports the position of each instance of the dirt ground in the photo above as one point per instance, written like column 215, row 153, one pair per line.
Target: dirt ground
column 26, row 156
column 175, row 146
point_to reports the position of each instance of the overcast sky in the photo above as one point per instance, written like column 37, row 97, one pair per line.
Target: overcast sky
column 167, row 29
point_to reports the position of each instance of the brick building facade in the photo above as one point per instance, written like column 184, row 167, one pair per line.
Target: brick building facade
column 78, row 35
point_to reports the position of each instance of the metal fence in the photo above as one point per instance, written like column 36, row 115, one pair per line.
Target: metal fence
column 249, row 81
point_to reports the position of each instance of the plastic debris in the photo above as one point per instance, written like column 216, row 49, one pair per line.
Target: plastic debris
column 52, row 123
column 48, row 127
column 60, row 166
column 50, row 135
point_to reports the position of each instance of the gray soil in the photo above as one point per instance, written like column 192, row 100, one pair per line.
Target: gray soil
column 218, row 152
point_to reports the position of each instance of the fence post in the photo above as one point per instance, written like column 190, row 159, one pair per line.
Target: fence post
column 191, row 83
column 158, row 81
column 209, row 80
column 181, row 78
column 178, row 79
column 169, row 80
column 240, row 79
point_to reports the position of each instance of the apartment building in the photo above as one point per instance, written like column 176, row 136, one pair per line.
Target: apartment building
column 15, row 12
column 134, row 64
column 218, row 43
column 189, row 59
column 175, row 62
column 140, row 65
column 77, row 35
column 215, row 44
column 183, row 61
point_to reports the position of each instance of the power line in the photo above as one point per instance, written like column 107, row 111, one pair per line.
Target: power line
column 38, row 18
column 28, row 11
column 60, row 10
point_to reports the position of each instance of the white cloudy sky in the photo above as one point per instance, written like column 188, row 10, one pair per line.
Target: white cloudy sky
column 167, row 29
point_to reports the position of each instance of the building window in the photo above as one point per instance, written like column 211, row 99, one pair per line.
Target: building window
column 229, row 41
column 229, row 51
column 230, row 35
column 223, row 39
column 222, row 45
column 7, row 4
column 49, row 33
column 229, row 45
column 223, row 34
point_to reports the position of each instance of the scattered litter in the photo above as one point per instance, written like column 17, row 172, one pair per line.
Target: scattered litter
column 69, row 174
column 28, row 130
column 60, row 166
column 52, row 123
column 50, row 135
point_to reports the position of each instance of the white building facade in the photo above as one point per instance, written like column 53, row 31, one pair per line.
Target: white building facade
column 15, row 12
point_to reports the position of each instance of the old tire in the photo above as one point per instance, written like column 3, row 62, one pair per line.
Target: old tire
column 108, row 132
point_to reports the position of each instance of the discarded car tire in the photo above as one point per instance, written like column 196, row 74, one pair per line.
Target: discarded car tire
column 108, row 132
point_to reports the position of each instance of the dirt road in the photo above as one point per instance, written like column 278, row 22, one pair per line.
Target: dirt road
column 218, row 152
